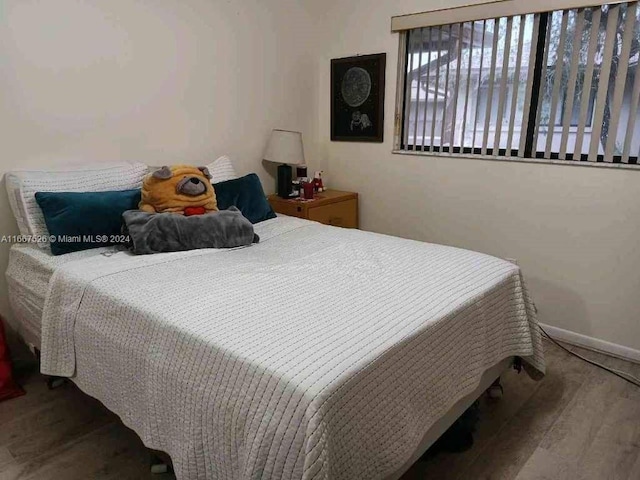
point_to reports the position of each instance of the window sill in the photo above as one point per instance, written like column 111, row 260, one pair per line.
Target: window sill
column 570, row 163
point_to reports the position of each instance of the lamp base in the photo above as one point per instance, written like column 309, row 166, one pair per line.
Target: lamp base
column 285, row 173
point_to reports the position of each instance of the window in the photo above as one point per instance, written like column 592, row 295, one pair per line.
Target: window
column 555, row 85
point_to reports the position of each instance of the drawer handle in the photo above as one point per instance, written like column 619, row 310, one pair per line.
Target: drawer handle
column 335, row 221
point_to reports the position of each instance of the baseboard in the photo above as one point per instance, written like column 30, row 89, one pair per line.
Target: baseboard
column 613, row 349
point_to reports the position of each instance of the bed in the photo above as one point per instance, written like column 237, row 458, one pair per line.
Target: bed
column 319, row 353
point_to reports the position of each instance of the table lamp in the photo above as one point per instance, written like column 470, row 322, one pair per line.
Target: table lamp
column 285, row 148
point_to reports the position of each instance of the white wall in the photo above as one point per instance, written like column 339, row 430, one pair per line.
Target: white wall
column 574, row 230
column 157, row 81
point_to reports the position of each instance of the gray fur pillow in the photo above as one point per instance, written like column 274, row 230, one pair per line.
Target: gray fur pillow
column 170, row 232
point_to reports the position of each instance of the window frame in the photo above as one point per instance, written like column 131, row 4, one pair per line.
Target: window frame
column 476, row 152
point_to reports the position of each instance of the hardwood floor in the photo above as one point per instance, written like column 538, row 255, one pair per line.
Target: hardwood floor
column 578, row 423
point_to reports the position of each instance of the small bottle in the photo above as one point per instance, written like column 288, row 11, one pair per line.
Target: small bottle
column 318, row 181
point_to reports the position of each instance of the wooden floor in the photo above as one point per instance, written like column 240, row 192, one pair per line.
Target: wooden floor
column 578, row 423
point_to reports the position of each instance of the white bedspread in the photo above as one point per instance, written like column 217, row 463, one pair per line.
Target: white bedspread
column 28, row 273
column 319, row 353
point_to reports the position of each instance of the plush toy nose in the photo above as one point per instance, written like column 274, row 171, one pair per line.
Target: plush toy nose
column 191, row 186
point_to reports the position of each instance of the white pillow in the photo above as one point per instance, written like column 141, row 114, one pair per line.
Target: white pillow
column 222, row 170
column 23, row 185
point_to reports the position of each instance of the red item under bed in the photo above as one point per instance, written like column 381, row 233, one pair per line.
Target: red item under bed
column 8, row 387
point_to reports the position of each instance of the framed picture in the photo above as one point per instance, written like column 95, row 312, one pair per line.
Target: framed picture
column 357, row 98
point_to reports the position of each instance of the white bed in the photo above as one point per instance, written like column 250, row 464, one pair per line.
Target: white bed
column 318, row 353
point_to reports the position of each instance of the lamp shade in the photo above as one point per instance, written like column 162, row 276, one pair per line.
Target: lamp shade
column 285, row 147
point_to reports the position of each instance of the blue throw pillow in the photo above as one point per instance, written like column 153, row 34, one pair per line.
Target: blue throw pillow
column 247, row 195
column 84, row 220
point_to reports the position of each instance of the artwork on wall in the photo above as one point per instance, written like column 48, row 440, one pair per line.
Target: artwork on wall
column 357, row 98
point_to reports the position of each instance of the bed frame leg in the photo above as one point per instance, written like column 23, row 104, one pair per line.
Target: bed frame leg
column 517, row 364
column 160, row 462
column 495, row 391
column 55, row 382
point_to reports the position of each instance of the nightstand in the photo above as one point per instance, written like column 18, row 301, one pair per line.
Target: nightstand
column 331, row 207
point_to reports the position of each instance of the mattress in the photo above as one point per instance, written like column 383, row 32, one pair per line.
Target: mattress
column 28, row 273
column 319, row 353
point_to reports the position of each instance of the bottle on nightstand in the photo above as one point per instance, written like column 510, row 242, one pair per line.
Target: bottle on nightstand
column 317, row 181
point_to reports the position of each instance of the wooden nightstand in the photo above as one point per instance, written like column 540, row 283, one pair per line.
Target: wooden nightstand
column 331, row 207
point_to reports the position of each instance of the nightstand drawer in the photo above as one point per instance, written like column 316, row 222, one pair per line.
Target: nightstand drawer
column 339, row 214
column 293, row 209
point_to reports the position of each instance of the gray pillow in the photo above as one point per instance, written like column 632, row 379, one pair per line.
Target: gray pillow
column 170, row 232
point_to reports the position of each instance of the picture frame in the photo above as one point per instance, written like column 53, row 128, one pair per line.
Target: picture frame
column 357, row 98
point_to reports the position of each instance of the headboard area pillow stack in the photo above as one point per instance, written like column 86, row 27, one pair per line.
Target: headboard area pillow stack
column 85, row 204
column 23, row 185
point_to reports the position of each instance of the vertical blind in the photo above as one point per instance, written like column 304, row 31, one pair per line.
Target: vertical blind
column 558, row 85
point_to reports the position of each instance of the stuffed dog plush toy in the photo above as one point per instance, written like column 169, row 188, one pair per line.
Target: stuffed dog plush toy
column 181, row 189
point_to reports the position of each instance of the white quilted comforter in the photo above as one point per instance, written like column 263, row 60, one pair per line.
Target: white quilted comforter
column 319, row 353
